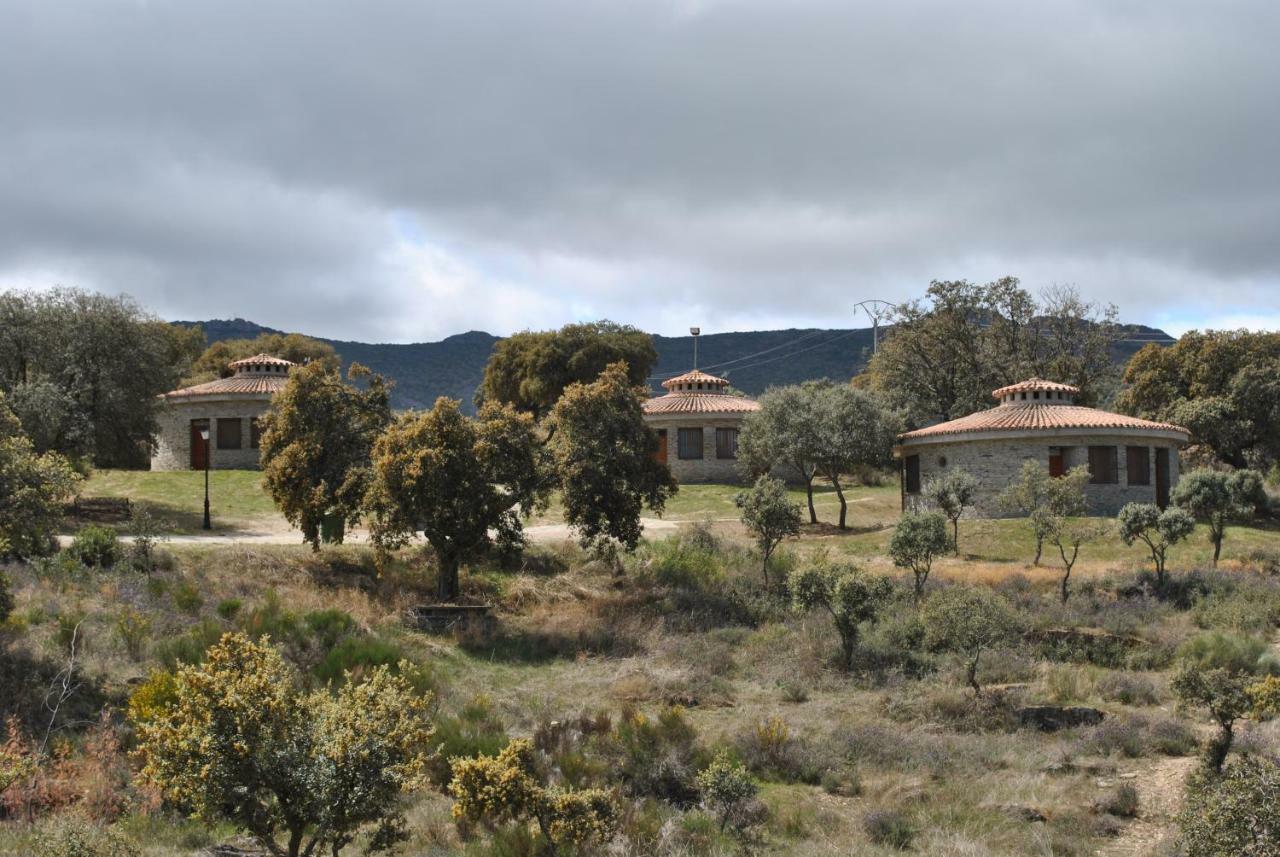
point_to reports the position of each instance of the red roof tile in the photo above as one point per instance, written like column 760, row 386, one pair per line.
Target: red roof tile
column 261, row 360
column 697, row 376
column 700, row 403
column 1040, row 416
column 1034, row 384
column 244, row 384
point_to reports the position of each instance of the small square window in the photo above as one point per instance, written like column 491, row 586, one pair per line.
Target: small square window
column 229, row 434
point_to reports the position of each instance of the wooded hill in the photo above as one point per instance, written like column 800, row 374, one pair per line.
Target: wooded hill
column 752, row 360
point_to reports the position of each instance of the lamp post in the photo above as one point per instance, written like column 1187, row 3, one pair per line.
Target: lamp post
column 204, row 436
column 695, row 331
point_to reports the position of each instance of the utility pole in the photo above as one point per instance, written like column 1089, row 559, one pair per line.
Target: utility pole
column 876, row 310
column 695, row 332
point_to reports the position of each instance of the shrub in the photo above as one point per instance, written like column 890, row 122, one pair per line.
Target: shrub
column 1220, row 650
column 889, row 827
column 242, row 742
column 1225, row 694
column 133, row 629
column 188, row 648
column 1121, row 802
column 727, row 789
column 1237, row 813
column 952, row 493
column 1218, row 498
column 6, row 598
column 772, row 752
column 474, row 731
column 510, row 786
column 1127, row 688
column 329, row 626
column 654, row 757
column 187, row 597
column 1157, row 529
column 96, row 547
column 71, row 836
column 229, row 608
column 356, row 656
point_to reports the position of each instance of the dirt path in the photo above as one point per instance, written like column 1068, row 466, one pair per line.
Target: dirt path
column 541, row 534
column 1160, row 788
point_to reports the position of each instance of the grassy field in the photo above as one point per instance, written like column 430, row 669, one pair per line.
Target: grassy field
column 237, row 498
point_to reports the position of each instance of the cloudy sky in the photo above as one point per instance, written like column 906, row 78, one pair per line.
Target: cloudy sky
column 401, row 171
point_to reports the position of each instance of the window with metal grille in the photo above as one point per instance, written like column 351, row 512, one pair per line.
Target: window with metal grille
column 726, row 443
column 229, row 434
column 690, row 443
column 1137, row 464
column 1103, row 465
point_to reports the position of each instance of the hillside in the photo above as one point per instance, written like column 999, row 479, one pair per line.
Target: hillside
column 752, row 360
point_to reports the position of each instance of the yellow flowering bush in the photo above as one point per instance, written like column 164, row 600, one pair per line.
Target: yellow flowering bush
column 508, row 787
column 241, row 741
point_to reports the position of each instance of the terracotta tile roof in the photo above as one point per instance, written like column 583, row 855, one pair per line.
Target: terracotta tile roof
column 261, row 360
column 700, row 403
column 697, row 376
column 1034, row 384
column 244, row 384
column 1039, row 416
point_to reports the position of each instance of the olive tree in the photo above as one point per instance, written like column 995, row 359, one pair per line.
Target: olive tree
column 969, row 620
column 783, row 433
column 952, row 493
column 1158, row 530
column 854, row 430
column 849, row 594
column 457, row 480
column 1218, row 498
column 1225, row 694
column 768, row 515
column 240, row 741
column 917, row 540
column 1044, row 499
column 316, row 445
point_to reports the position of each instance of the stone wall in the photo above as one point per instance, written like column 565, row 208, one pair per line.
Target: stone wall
column 996, row 463
column 708, row 468
column 173, row 440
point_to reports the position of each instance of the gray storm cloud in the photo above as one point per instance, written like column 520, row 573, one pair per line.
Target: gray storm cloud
column 405, row 170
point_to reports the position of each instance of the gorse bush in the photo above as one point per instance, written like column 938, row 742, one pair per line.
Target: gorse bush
column 96, row 547
column 654, row 757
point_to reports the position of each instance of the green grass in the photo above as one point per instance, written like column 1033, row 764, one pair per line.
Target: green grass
column 237, row 498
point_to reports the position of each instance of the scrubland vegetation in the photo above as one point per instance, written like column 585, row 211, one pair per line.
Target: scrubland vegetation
column 673, row 705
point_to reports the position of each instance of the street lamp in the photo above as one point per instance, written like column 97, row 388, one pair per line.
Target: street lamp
column 204, row 436
column 695, row 331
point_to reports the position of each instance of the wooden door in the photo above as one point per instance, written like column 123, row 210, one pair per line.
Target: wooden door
column 661, row 455
column 199, row 446
column 1057, row 466
column 1162, row 476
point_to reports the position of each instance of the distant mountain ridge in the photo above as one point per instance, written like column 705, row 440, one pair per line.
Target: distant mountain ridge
column 753, row 360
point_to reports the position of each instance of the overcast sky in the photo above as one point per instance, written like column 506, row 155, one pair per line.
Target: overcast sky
column 402, row 171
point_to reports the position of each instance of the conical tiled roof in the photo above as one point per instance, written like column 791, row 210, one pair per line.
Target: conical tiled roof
column 696, row 392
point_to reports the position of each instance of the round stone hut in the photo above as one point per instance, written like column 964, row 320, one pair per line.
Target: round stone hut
column 227, row 411
column 1129, row 459
column 697, row 423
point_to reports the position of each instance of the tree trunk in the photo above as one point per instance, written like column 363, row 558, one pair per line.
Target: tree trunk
column 921, row 578
column 767, row 552
column 848, row 645
column 447, row 581
column 1219, row 747
column 808, row 490
column 1039, row 551
column 973, row 674
column 1217, row 547
column 844, row 507
column 955, row 536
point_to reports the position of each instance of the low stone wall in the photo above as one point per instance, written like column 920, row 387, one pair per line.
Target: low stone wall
column 173, row 440
column 708, row 468
column 996, row 463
